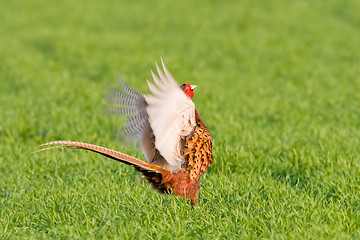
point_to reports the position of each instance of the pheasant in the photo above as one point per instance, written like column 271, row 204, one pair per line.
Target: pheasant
column 174, row 140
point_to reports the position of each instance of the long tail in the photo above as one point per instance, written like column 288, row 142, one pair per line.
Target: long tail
column 154, row 173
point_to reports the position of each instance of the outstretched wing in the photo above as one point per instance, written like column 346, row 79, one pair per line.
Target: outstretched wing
column 133, row 104
column 171, row 115
column 159, row 120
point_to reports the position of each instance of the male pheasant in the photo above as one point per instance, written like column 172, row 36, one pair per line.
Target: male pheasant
column 176, row 143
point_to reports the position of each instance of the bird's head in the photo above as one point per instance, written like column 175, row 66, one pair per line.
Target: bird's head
column 188, row 89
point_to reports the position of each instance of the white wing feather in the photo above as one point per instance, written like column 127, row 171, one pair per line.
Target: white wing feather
column 171, row 116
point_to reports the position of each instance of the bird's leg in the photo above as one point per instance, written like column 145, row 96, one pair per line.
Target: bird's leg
column 140, row 178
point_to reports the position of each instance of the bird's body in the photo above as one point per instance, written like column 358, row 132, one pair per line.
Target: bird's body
column 176, row 143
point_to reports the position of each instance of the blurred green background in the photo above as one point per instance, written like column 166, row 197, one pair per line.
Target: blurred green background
column 278, row 88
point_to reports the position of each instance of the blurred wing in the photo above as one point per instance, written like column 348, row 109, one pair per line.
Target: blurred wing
column 171, row 115
column 132, row 104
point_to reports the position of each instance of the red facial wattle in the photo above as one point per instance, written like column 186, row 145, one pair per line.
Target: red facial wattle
column 187, row 90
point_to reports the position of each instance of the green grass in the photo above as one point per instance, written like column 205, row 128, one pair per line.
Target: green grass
column 279, row 85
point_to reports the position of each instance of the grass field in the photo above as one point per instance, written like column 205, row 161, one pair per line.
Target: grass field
column 279, row 85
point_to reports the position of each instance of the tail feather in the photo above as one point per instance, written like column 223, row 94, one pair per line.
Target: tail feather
column 148, row 169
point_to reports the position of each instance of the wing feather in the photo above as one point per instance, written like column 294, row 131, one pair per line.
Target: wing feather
column 171, row 115
column 157, row 81
column 160, row 120
column 168, row 74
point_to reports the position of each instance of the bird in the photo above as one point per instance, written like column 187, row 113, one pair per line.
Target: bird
column 175, row 142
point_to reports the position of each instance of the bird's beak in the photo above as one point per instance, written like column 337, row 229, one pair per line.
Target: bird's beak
column 193, row 86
